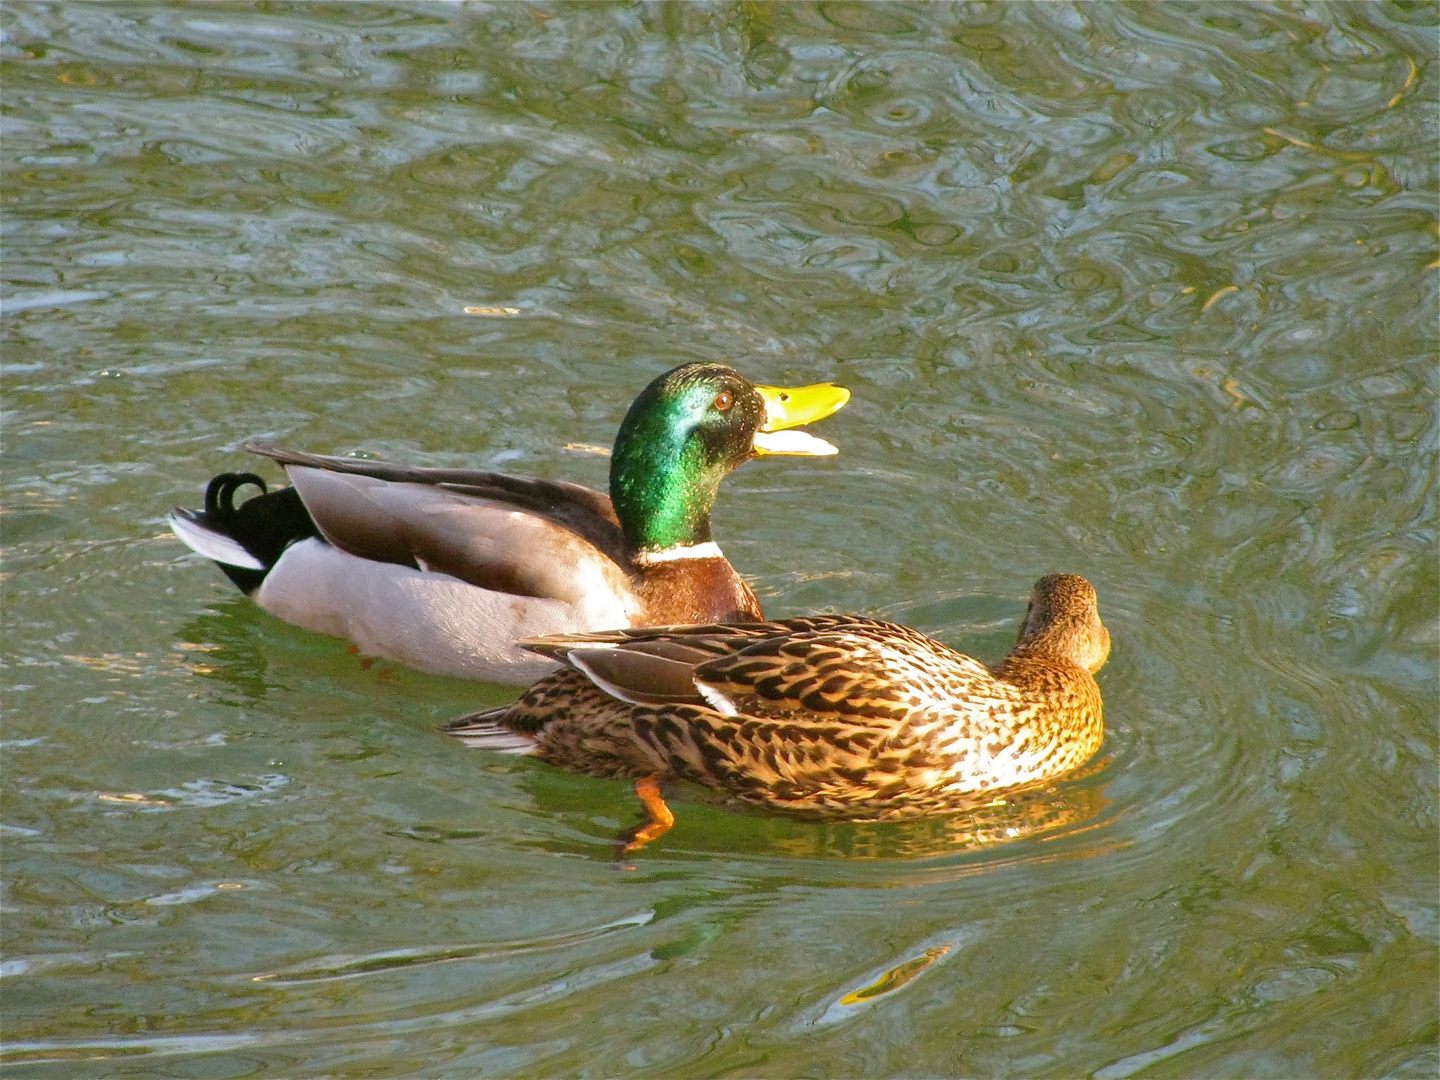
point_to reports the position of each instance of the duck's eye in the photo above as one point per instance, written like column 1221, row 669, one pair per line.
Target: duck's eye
column 724, row 400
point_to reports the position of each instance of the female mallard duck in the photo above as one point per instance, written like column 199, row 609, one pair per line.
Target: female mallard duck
column 446, row 570
column 833, row 715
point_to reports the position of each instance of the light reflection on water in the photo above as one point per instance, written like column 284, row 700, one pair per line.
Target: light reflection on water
column 1145, row 293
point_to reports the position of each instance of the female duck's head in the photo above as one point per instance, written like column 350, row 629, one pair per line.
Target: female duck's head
column 1063, row 622
column 687, row 430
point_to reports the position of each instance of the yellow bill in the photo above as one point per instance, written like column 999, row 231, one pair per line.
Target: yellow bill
column 788, row 407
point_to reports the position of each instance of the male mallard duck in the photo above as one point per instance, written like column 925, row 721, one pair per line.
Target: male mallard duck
column 446, row 570
column 834, row 715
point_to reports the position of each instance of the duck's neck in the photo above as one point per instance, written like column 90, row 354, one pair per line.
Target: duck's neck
column 1039, row 672
column 662, row 489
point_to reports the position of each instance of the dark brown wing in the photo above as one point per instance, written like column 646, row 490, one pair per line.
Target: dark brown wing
column 710, row 638
column 856, row 669
column 841, row 664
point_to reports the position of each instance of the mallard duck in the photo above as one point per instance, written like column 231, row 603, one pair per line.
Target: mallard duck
column 446, row 570
column 826, row 715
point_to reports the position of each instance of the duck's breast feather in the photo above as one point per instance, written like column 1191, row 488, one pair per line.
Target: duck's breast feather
column 485, row 542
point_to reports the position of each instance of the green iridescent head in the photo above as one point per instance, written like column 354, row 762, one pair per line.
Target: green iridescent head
column 691, row 427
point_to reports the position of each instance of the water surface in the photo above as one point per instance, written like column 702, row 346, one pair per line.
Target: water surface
column 1146, row 293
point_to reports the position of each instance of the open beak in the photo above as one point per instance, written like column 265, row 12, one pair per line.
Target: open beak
column 789, row 407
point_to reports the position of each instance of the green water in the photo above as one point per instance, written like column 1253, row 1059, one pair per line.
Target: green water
column 1146, row 293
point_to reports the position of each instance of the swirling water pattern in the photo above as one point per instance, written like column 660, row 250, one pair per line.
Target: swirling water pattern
column 1143, row 292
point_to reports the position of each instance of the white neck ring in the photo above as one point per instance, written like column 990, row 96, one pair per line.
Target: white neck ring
column 707, row 550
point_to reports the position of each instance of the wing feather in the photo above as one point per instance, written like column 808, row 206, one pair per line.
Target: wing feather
column 638, row 677
column 584, row 511
column 486, row 543
column 852, row 670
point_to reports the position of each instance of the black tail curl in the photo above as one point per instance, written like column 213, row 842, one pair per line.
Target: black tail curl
column 220, row 507
column 264, row 525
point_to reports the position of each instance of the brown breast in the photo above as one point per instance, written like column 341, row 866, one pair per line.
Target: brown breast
column 695, row 591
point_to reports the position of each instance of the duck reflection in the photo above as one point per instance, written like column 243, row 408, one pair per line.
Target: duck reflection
column 1052, row 809
column 587, row 819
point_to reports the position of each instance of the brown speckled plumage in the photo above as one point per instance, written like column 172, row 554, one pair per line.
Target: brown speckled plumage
column 831, row 715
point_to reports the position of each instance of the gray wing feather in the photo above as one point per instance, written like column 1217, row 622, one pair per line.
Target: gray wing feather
column 638, row 677
column 584, row 511
column 489, row 544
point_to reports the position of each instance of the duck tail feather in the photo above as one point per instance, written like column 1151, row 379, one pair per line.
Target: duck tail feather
column 483, row 731
column 245, row 540
column 193, row 531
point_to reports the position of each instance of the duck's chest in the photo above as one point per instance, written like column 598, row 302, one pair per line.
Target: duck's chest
column 695, row 590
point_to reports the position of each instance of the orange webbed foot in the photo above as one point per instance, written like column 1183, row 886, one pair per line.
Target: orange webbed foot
column 658, row 817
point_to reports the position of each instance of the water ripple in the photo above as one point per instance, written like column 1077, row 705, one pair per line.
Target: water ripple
column 327, row 968
column 1143, row 292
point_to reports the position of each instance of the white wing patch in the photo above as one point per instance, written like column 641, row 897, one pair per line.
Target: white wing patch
column 717, row 701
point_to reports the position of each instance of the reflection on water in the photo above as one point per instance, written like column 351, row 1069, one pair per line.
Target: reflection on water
column 1059, row 813
column 877, row 986
column 1052, row 811
column 1146, row 293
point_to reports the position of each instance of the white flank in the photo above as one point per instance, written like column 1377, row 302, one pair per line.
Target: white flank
column 707, row 550
column 211, row 544
column 428, row 621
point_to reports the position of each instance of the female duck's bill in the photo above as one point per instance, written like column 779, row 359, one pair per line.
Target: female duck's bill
column 830, row 715
column 446, row 570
